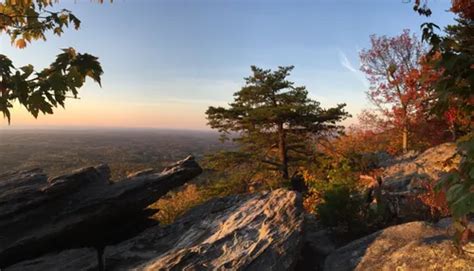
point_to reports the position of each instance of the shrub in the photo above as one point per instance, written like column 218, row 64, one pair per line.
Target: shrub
column 436, row 201
column 339, row 199
column 224, row 185
column 343, row 208
column 177, row 203
column 209, row 185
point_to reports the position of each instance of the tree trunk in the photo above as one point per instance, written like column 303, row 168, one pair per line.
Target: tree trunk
column 405, row 138
column 404, row 122
column 283, row 152
column 405, row 130
column 452, row 129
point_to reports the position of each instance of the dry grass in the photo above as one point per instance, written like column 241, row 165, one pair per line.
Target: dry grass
column 176, row 204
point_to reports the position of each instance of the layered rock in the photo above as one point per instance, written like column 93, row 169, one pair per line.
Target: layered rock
column 247, row 232
column 410, row 246
column 82, row 209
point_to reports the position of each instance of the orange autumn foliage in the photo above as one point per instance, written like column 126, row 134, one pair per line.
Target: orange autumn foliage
column 435, row 200
column 360, row 140
column 465, row 8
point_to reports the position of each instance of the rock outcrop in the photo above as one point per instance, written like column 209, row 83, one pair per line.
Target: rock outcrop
column 260, row 231
column 82, row 209
column 407, row 173
column 410, row 246
column 411, row 175
column 65, row 222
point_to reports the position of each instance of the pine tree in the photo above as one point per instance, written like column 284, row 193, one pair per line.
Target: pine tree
column 272, row 120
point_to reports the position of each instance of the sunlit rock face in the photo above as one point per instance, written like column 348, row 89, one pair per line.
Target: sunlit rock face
column 261, row 231
column 409, row 246
column 410, row 176
column 406, row 173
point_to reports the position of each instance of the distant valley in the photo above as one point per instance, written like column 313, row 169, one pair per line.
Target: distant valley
column 126, row 151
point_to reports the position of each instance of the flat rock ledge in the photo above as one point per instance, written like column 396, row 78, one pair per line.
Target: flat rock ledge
column 261, row 231
column 40, row 215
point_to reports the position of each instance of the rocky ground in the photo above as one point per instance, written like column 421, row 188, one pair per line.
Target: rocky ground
column 260, row 231
column 254, row 232
column 410, row 246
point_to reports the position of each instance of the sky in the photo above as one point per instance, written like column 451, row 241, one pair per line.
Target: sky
column 166, row 62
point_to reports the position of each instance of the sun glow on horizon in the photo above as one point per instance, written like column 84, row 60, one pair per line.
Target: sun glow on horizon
column 167, row 66
column 167, row 114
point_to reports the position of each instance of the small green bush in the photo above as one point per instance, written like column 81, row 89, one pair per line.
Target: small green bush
column 343, row 204
column 343, row 209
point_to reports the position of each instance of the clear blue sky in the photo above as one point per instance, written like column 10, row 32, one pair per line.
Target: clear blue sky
column 165, row 62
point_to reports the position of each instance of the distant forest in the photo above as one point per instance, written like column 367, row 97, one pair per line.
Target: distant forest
column 59, row 152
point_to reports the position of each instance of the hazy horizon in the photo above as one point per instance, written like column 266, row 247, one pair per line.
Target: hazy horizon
column 101, row 128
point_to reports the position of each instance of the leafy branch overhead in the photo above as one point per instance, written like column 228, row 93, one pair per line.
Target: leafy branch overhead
column 29, row 20
column 40, row 91
column 43, row 90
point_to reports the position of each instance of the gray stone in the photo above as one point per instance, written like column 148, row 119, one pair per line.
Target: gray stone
column 81, row 209
column 410, row 246
column 408, row 173
column 244, row 232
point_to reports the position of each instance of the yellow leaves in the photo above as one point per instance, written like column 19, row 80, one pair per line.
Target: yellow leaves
column 25, row 3
column 174, row 205
column 58, row 31
column 25, row 39
column 63, row 18
column 27, row 20
column 307, row 175
column 20, row 43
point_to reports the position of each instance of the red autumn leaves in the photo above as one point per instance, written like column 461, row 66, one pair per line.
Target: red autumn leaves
column 402, row 79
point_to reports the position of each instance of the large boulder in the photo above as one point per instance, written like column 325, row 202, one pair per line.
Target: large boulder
column 407, row 173
column 260, row 231
column 82, row 209
column 411, row 175
column 409, row 246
